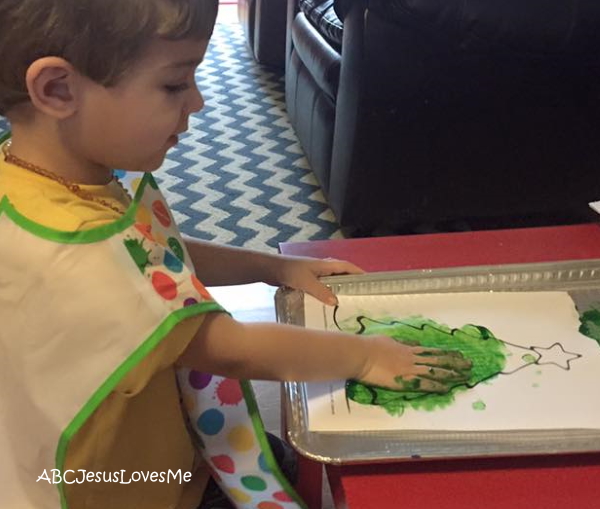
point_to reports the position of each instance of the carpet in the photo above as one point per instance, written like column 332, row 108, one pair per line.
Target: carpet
column 239, row 176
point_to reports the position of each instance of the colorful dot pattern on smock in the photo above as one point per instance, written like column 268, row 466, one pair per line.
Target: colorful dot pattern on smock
column 159, row 252
column 218, row 410
column 216, row 406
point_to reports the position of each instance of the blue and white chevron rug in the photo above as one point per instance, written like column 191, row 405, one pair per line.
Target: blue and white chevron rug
column 238, row 176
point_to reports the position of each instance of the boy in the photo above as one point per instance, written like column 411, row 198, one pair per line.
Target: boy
column 97, row 305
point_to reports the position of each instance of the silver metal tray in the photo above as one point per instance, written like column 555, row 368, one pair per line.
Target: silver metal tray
column 581, row 279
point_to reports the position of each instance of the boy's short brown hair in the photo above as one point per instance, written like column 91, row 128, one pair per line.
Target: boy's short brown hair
column 100, row 38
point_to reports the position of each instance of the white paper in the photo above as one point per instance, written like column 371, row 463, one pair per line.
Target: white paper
column 543, row 395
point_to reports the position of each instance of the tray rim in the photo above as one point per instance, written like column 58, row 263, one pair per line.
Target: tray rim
column 584, row 264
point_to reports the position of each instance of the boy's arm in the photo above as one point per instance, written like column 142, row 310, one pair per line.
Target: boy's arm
column 218, row 265
column 269, row 351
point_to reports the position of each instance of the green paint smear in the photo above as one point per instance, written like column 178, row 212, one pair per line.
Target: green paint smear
column 140, row 256
column 590, row 324
column 486, row 352
column 479, row 405
column 529, row 358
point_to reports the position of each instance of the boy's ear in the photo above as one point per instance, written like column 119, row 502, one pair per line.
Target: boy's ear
column 51, row 83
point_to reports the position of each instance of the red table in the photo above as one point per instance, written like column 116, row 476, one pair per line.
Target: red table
column 542, row 482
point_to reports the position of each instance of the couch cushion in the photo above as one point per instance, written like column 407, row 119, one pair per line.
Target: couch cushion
column 322, row 16
column 533, row 27
column 321, row 60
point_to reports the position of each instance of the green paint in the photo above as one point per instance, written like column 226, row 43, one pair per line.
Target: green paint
column 479, row 405
column 176, row 248
column 140, row 256
column 535, row 386
column 529, row 358
column 476, row 343
column 408, row 385
column 590, row 324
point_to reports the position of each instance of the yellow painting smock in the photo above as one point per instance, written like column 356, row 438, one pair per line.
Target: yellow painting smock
column 80, row 312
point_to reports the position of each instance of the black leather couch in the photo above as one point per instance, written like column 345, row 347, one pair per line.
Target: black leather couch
column 432, row 114
column 264, row 23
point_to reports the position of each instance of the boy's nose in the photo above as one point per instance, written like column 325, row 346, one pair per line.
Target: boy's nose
column 196, row 101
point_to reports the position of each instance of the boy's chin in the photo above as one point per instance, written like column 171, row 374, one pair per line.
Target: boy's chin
column 147, row 164
column 150, row 166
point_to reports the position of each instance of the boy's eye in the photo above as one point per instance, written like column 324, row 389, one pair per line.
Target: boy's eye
column 179, row 87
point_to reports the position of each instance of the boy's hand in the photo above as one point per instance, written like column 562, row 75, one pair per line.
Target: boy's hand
column 302, row 274
column 403, row 367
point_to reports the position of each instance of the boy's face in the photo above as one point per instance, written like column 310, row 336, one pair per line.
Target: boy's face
column 132, row 125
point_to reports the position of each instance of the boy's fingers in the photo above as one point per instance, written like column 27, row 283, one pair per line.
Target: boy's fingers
column 321, row 292
column 418, row 384
column 441, row 374
column 408, row 342
column 450, row 360
column 341, row 267
column 432, row 352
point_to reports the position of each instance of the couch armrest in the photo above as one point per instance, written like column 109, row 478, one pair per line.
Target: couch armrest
column 292, row 10
column 270, row 32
